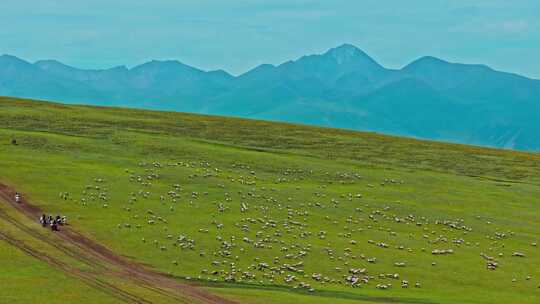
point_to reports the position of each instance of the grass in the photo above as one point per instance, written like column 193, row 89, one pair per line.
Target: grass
column 24, row 280
column 250, row 296
column 298, row 182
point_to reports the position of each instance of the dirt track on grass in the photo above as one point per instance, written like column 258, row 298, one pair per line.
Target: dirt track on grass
column 99, row 258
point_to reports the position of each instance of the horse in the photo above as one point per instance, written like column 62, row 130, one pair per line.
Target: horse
column 17, row 198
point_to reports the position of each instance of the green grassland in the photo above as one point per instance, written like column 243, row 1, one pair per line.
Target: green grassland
column 27, row 280
column 263, row 212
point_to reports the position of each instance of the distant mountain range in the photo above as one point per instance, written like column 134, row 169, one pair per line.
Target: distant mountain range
column 344, row 87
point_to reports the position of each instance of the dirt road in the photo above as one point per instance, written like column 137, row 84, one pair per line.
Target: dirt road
column 102, row 260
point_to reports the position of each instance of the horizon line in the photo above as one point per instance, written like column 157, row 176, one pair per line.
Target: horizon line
column 173, row 60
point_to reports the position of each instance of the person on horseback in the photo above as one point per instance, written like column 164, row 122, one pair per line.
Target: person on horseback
column 17, row 198
column 54, row 225
column 43, row 220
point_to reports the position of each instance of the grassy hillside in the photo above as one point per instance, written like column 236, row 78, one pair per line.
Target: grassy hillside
column 275, row 213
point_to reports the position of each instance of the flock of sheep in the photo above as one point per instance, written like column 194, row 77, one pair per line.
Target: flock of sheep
column 279, row 233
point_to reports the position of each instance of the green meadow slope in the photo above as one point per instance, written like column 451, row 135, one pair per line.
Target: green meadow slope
column 260, row 212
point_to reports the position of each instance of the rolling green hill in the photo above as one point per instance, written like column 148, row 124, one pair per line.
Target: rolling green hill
column 258, row 212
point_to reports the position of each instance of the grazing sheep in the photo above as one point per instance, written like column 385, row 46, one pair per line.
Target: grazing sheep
column 383, row 286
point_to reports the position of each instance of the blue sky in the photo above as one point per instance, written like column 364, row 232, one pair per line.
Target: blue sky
column 238, row 35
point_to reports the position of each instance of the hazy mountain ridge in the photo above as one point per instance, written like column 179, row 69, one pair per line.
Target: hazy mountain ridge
column 344, row 87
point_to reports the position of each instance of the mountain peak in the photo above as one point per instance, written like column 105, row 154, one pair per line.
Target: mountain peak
column 61, row 69
column 444, row 75
column 7, row 56
column 434, row 62
column 165, row 66
column 52, row 64
column 347, row 53
column 346, row 47
column 13, row 63
column 12, row 59
column 427, row 61
column 48, row 61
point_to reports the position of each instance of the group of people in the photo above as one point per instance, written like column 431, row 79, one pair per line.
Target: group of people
column 45, row 220
column 53, row 222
